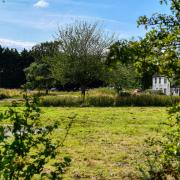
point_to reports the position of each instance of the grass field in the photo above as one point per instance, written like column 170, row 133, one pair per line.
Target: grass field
column 104, row 143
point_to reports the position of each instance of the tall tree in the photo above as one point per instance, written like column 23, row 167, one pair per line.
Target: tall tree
column 165, row 37
column 82, row 49
column 12, row 64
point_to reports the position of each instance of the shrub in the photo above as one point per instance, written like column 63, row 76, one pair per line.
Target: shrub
column 163, row 153
column 26, row 146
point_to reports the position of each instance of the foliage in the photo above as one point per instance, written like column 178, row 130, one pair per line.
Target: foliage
column 38, row 76
column 120, row 51
column 163, row 154
column 122, row 77
column 136, row 53
column 81, row 57
column 43, row 50
column 164, row 37
column 12, row 64
column 26, row 146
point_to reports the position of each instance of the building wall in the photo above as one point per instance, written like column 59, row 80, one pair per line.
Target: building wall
column 161, row 83
column 175, row 91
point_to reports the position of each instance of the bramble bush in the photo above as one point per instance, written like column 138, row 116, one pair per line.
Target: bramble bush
column 26, row 146
column 163, row 154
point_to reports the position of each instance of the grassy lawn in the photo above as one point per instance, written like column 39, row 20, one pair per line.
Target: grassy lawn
column 104, row 143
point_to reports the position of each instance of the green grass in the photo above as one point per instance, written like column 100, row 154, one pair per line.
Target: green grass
column 104, row 143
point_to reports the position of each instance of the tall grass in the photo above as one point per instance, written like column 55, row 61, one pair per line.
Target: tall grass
column 10, row 93
column 147, row 100
column 62, row 101
column 107, row 101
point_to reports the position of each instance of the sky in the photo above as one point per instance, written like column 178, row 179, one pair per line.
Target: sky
column 24, row 23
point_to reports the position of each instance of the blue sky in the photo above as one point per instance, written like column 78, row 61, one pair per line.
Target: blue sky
column 24, row 23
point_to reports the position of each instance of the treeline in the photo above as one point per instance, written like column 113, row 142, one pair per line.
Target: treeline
column 12, row 65
column 83, row 57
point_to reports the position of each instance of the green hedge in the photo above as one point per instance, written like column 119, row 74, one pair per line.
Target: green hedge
column 109, row 101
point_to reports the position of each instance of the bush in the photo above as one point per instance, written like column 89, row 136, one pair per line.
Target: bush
column 100, row 101
column 26, row 145
column 163, row 151
column 62, row 101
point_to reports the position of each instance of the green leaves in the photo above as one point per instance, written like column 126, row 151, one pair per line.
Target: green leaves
column 163, row 154
column 25, row 145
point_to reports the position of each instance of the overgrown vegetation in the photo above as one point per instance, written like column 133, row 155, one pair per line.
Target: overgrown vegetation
column 163, row 152
column 110, row 101
column 26, row 146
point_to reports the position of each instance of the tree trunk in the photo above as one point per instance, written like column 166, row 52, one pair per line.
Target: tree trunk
column 83, row 92
column 47, row 90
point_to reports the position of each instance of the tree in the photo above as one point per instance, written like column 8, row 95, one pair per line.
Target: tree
column 121, row 51
column 137, row 53
column 43, row 50
column 82, row 48
column 38, row 76
column 122, row 76
column 163, row 158
column 165, row 37
column 12, row 64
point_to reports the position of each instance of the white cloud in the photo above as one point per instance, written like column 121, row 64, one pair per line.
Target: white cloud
column 41, row 4
column 16, row 44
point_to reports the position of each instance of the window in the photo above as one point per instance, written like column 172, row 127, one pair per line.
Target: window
column 165, row 81
column 176, row 91
column 160, row 80
column 155, row 80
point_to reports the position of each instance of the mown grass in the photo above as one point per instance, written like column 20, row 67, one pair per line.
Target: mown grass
column 104, row 143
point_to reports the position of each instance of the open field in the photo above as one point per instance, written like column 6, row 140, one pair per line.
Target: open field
column 104, row 143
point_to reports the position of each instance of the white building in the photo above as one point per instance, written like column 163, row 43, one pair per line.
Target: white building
column 161, row 83
column 175, row 91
